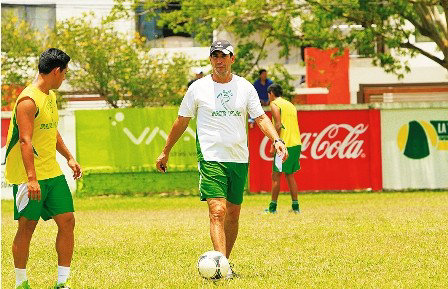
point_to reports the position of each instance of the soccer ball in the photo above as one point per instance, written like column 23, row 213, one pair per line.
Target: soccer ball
column 213, row 265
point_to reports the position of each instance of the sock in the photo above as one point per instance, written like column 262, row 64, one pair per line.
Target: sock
column 273, row 206
column 295, row 204
column 20, row 276
column 63, row 273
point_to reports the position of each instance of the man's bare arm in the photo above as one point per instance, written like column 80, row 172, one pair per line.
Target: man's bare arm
column 25, row 112
column 178, row 128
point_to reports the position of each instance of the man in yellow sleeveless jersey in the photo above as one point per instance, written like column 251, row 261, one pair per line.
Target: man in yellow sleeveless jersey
column 284, row 115
column 39, row 187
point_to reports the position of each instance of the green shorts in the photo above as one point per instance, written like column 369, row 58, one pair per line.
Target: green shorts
column 292, row 164
column 222, row 180
column 56, row 199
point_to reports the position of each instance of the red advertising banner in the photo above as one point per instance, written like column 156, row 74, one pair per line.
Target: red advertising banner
column 341, row 150
column 5, row 127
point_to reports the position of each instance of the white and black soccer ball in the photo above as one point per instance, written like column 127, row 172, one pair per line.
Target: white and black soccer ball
column 213, row 265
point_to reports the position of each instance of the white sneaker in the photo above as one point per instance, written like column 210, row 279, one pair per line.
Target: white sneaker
column 231, row 274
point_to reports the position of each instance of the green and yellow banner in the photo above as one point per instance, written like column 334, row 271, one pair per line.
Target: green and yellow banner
column 414, row 148
column 130, row 139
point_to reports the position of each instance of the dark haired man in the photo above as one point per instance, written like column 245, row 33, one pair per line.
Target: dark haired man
column 221, row 102
column 39, row 187
column 261, row 85
column 284, row 116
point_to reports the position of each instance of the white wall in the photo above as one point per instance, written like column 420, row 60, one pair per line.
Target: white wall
column 70, row 8
column 422, row 70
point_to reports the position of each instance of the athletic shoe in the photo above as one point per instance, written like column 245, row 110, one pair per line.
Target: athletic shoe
column 295, row 208
column 272, row 208
column 267, row 211
column 62, row 286
column 24, row 285
column 231, row 274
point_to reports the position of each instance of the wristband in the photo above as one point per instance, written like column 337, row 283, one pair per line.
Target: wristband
column 279, row 140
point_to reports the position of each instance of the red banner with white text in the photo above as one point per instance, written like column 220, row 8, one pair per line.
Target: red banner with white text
column 341, row 150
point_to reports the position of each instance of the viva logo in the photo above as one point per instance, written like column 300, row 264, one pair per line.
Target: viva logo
column 414, row 139
column 148, row 135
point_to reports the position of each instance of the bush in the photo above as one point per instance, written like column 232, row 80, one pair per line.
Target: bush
column 103, row 61
column 21, row 46
column 118, row 68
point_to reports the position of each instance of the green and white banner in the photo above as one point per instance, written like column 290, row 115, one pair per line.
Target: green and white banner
column 130, row 139
column 414, row 148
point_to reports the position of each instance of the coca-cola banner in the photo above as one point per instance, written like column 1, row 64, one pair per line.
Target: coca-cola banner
column 415, row 148
column 341, row 150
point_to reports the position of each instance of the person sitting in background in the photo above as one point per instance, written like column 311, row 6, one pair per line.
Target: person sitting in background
column 261, row 85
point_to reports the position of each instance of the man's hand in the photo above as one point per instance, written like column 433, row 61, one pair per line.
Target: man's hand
column 161, row 162
column 281, row 150
column 34, row 190
column 76, row 168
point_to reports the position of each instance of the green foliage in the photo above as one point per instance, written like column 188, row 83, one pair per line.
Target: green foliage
column 375, row 29
column 118, row 68
column 371, row 240
column 21, row 46
column 280, row 75
column 103, row 61
column 94, row 184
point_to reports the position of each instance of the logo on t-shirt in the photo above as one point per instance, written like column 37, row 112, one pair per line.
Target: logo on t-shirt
column 224, row 97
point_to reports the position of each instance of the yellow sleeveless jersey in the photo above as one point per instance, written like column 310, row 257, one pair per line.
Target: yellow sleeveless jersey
column 43, row 140
column 290, row 132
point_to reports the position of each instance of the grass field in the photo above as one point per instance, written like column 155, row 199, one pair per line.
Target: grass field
column 366, row 240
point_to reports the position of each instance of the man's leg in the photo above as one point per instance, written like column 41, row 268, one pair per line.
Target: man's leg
column 217, row 212
column 292, row 185
column 21, row 243
column 275, row 186
column 21, row 247
column 231, row 226
column 64, row 244
column 274, row 193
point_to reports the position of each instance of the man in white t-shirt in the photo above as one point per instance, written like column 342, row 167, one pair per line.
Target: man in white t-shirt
column 221, row 102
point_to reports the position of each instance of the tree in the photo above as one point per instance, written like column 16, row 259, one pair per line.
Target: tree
column 378, row 29
column 102, row 62
column 21, row 46
column 108, row 63
column 201, row 17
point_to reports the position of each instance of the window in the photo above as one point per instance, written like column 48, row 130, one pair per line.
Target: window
column 40, row 17
column 148, row 27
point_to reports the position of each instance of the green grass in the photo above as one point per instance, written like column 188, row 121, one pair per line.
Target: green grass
column 369, row 240
column 93, row 184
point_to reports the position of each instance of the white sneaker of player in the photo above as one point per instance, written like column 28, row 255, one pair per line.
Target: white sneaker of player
column 231, row 274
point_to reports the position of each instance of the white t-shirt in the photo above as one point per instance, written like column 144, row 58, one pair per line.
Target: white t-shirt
column 221, row 110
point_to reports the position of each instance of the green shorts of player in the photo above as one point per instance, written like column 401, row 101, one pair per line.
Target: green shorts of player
column 292, row 164
column 56, row 199
column 222, row 180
